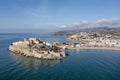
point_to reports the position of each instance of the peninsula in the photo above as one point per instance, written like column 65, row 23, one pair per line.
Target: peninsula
column 34, row 47
column 93, row 40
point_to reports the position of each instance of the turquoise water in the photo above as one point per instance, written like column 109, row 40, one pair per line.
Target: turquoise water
column 79, row 65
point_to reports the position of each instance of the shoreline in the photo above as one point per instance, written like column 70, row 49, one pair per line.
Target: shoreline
column 33, row 47
column 94, row 48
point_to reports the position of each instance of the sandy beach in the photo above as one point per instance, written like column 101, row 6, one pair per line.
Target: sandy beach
column 94, row 48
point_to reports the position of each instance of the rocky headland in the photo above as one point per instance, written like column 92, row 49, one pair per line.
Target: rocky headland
column 37, row 48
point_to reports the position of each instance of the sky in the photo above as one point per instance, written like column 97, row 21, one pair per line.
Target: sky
column 51, row 15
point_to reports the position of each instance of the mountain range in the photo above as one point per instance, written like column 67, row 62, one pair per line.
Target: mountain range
column 104, row 30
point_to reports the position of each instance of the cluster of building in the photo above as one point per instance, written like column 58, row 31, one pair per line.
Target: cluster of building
column 31, row 41
column 94, row 39
column 34, row 47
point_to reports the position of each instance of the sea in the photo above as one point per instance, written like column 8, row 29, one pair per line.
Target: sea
column 79, row 65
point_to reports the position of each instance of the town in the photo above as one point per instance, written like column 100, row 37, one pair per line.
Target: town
column 94, row 39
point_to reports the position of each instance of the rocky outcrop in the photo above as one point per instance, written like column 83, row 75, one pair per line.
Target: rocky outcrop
column 34, row 47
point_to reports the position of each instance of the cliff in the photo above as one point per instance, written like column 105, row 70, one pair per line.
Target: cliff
column 34, row 47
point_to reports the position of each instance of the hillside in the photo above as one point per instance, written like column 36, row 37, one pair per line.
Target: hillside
column 105, row 30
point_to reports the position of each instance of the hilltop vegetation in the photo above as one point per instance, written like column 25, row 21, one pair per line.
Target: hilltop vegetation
column 104, row 30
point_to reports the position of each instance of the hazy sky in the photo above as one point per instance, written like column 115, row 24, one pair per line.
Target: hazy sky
column 43, row 15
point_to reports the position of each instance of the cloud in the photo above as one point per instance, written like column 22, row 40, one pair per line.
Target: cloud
column 82, row 23
column 32, row 13
column 114, row 22
column 63, row 26
column 39, row 9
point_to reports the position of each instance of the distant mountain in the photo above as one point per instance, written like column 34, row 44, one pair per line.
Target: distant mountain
column 105, row 30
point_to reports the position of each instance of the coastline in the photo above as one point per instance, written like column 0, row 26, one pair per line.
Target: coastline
column 94, row 48
column 34, row 47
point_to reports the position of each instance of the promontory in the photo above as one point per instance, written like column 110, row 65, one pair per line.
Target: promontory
column 33, row 47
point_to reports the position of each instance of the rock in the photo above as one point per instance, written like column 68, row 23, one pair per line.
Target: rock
column 33, row 47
